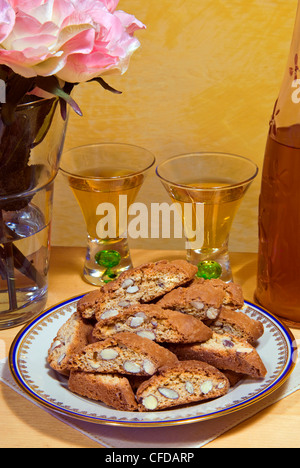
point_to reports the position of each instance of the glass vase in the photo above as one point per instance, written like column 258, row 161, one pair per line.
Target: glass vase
column 278, row 280
column 30, row 150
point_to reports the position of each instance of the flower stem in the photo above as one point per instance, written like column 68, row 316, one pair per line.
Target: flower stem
column 11, row 283
column 8, row 257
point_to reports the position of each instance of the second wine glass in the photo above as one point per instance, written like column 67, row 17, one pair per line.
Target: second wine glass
column 208, row 189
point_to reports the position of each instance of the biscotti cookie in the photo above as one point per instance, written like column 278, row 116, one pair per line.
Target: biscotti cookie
column 185, row 382
column 201, row 299
column 113, row 390
column 136, row 380
column 154, row 323
column 86, row 305
column 138, row 285
column 238, row 324
column 233, row 293
column 124, row 353
column 71, row 338
column 233, row 377
column 225, row 352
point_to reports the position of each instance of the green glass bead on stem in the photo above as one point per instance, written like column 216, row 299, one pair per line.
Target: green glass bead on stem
column 108, row 259
column 209, row 270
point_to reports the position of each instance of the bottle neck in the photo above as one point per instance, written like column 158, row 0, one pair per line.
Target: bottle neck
column 295, row 44
column 286, row 112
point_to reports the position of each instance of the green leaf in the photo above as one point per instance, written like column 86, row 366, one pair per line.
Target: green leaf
column 16, row 88
column 68, row 88
column 4, row 72
column 51, row 85
column 46, row 123
column 105, row 85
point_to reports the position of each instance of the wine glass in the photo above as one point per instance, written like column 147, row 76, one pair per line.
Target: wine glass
column 105, row 179
column 208, row 189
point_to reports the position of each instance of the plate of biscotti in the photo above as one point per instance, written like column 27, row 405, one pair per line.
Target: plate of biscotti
column 157, row 346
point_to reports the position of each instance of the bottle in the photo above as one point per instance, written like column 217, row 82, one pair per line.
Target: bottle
column 278, row 276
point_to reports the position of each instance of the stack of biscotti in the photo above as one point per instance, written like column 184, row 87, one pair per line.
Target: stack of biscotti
column 158, row 337
column 139, row 285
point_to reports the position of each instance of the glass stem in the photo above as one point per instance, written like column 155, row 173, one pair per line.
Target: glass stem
column 101, row 273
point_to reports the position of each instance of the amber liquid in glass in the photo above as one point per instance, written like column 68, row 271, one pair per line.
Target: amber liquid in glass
column 105, row 185
column 220, row 203
column 278, row 287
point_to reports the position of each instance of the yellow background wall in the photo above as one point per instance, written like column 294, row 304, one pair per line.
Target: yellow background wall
column 205, row 78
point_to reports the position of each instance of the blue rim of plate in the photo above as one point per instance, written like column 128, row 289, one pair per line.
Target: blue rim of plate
column 21, row 382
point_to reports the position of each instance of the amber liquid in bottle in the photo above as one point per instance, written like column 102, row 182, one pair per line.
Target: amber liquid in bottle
column 279, row 226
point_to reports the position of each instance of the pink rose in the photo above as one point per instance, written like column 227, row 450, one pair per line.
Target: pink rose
column 75, row 40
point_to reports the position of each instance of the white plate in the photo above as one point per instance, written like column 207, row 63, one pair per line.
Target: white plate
column 29, row 368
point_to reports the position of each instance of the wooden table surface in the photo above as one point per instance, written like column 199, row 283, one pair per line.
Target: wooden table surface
column 24, row 425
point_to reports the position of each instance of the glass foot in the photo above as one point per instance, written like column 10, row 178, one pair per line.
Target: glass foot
column 106, row 260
